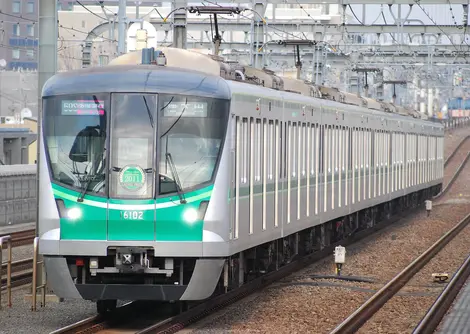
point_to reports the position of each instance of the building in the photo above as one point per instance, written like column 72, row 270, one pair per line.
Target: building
column 19, row 32
column 17, row 144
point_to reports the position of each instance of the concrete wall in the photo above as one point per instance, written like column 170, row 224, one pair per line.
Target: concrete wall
column 17, row 194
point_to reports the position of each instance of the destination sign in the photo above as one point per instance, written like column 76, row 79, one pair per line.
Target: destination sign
column 83, row 107
column 185, row 109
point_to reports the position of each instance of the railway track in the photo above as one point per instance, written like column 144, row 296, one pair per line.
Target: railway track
column 22, row 273
column 22, row 270
column 115, row 320
column 439, row 308
column 21, row 238
column 449, row 158
column 357, row 319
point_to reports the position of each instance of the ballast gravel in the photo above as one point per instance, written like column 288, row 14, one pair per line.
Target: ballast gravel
column 20, row 319
column 19, row 253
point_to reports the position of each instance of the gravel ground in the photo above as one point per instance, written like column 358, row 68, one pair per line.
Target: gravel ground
column 19, row 253
column 302, row 304
column 20, row 318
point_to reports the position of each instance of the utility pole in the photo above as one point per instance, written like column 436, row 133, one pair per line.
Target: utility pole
column 179, row 24
column 366, row 71
column 47, row 67
column 122, row 27
column 394, row 83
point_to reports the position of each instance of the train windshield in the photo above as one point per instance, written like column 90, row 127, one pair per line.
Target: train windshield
column 179, row 138
column 75, row 135
column 190, row 137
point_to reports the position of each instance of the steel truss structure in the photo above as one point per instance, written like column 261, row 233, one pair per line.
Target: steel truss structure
column 424, row 49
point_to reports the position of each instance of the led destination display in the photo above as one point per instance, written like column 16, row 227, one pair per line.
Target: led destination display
column 185, row 109
column 82, row 107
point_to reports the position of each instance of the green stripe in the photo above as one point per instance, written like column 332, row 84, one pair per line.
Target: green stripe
column 147, row 204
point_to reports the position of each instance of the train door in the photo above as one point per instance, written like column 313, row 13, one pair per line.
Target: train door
column 131, row 208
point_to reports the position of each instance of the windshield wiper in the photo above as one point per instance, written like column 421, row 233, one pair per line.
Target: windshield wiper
column 90, row 177
column 85, row 186
column 148, row 111
column 179, row 189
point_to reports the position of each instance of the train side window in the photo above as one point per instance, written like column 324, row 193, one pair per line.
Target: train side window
column 258, row 154
column 245, row 141
column 270, row 149
column 294, row 134
column 328, row 150
column 321, row 146
column 303, row 149
column 313, row 149
column 284, row 150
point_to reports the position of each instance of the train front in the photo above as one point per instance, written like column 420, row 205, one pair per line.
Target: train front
column 133, row 201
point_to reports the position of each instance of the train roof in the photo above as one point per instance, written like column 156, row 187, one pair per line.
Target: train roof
column 131, row 78
column 232, row 70
column 192, row 72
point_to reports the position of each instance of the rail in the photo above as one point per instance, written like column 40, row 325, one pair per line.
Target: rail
column 375, row 303
column 21, row 238
column 442, row 304
column 35, row 287
column 455, row 150
column 6, row 239
column 454, row 177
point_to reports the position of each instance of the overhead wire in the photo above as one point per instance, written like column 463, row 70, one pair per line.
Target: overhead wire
column 91, row 12
column 464, row 38
column 435, row 23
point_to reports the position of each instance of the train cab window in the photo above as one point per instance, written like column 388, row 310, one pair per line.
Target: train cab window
column 189, row 141
column 75, row 133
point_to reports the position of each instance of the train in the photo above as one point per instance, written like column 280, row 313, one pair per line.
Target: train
column 171, row 175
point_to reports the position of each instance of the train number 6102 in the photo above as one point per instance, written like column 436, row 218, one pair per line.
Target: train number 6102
column 134, row 215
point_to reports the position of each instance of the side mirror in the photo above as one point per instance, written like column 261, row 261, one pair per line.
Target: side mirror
column 85, row 144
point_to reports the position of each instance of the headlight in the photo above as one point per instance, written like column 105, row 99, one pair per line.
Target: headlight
column 74, row 213
column 190, row 215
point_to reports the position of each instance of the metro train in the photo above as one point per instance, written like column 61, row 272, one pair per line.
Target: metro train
column 170, row 175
